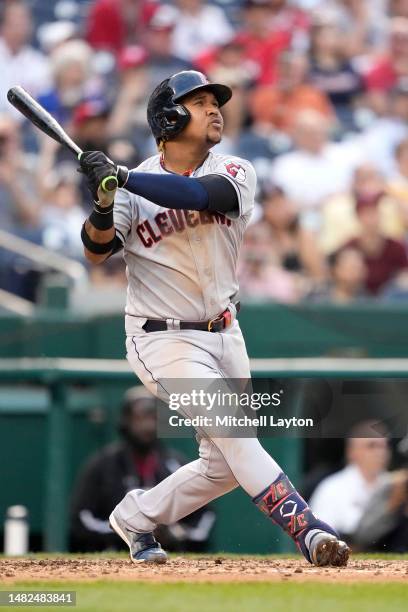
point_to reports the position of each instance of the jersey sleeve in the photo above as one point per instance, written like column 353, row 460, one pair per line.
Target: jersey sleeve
column 122, row 214
column 241, row 174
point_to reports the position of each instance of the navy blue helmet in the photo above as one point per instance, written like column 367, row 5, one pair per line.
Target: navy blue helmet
column 166, row 114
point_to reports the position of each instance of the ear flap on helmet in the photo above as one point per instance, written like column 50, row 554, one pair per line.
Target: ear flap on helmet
column 173, row 120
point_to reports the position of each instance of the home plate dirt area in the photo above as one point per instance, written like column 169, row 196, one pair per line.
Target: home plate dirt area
column 214, row 569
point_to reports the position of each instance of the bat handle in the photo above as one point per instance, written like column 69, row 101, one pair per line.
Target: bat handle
column 109, row 183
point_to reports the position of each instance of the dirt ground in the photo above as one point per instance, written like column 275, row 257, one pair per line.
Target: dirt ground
column 203, row 569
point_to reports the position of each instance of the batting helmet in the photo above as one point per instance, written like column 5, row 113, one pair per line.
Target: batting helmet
column 167, row 117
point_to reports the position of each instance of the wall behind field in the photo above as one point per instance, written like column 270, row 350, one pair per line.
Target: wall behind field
column 271, row 330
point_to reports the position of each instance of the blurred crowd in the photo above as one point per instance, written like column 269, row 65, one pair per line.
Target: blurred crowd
column 320, row 107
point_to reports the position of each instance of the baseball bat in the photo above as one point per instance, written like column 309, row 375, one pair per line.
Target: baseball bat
column 30, row 108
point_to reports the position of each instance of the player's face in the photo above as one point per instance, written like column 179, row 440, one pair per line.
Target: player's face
column 206, row 123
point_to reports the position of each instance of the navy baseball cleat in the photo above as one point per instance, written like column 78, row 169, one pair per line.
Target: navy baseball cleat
column 143, row 547
column 327, row 550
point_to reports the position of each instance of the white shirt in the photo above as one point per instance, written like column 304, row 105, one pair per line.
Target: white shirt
column 194, row 34
column 309, row 179
column 379, row 142
column 341, row 499
column 182, row 264
column 28, row 68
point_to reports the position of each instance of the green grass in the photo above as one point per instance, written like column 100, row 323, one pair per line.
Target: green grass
column 243, row 597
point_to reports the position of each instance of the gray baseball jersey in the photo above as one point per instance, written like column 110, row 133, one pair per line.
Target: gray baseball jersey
column 182, row 264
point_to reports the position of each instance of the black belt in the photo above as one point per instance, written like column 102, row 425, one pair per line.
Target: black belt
column 218, row 324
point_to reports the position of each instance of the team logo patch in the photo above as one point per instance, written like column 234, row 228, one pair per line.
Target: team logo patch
column 288, row 509
column 236, row 171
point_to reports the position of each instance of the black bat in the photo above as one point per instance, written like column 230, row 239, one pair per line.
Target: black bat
column 30, row 108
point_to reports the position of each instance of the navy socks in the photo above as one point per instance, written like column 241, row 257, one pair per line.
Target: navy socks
column 285, row 507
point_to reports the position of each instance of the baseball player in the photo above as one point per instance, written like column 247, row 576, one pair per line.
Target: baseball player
column 179, row 218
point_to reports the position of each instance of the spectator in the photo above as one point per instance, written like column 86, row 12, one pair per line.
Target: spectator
column 343, row 497
column 91, row 124
column 391, row 70
column 398, row 186
column 347, row 279
column 260, row 275
column 19, row 202
column 316, row 168
column 114, row 24
column 380, row 139
column 289, row 19
column 366, row 503
column 385, row 258
column 280, row 104
column 19, row 208
column 138, row 460
column 129, row 110
column 363, row 23
column 262, row 46
column 158, row 40
column 331, row 71
column 398, row 8
column 19, row 62
column 339, row 218
column 61, row 214
column 71, row 67
column 293, row 246
column 199, row 26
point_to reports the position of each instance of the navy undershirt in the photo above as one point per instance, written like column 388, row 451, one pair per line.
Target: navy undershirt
column 169, row 190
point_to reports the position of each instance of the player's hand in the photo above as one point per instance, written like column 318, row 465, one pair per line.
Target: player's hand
column 97, row 166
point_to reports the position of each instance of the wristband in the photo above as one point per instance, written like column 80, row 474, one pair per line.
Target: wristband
column 98, row 248
column 102, row 219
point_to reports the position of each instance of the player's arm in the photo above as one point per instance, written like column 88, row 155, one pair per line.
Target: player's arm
column 212, row 192
column 98, row 232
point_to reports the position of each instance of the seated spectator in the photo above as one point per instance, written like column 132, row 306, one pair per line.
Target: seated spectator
column 316, row 168
column 158, row 41
column 343, row 497
column 385, row 259
column 91, row 124
column 391, row 70
column 199, row 26
column 288, row 18
column 365, row 503
column 129, row 109
column 137, row 460
column 20, row 63
column 280, row 104
column 262, row 46
column 19, row 201
column 347, row 279
column 114, row 24
column 62, row 215
column 339, row 217
column 398, row 185
column 398, row 8
column 331, row 71
column 293, row 246
column 280, row 259
column 380, row 138
column 71, row 69
column 260, row 274
column 19, row 209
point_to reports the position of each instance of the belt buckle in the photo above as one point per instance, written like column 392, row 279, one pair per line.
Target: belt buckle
column 211, row 322
column 224, row 316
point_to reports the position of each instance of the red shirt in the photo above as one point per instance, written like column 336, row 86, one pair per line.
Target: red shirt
column 383, row 267
column 382, row 77
column 107, row 28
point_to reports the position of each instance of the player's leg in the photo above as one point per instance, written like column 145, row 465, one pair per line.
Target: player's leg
column 263, row 479
column 191, row 486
